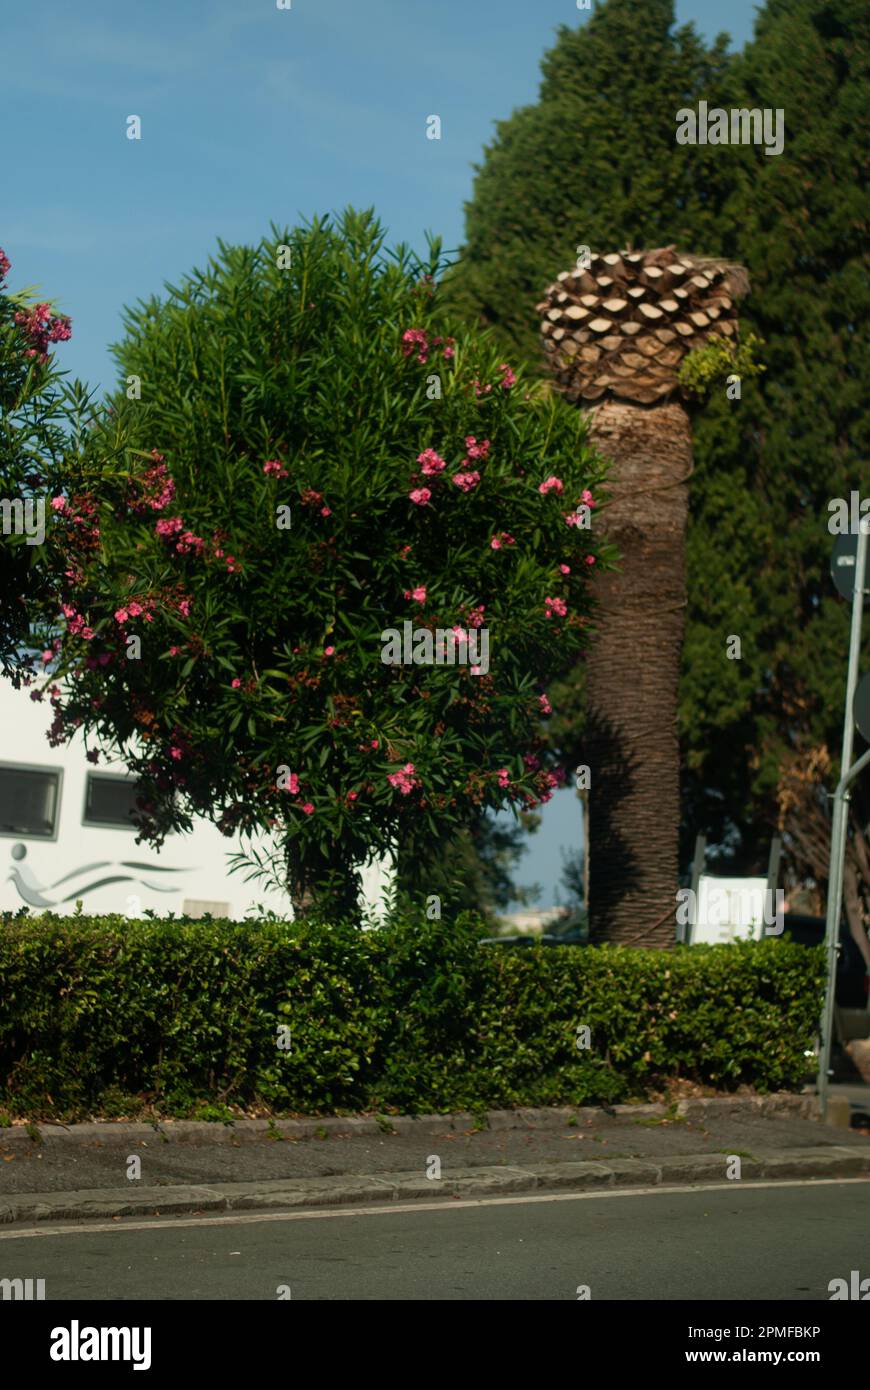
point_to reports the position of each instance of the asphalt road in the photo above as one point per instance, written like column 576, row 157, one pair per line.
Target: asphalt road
column 780, row 1241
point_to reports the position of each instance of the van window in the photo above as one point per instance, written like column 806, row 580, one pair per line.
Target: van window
column 29, row 800
column 110, row 801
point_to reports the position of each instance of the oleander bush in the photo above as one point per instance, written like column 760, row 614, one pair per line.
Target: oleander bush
column 106, row 1016
column 301, row 459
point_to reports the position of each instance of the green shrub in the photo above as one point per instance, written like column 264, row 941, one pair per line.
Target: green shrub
column 100, row 1015
column 314, row 462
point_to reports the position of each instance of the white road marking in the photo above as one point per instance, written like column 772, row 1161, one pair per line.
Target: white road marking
column 401, row 1208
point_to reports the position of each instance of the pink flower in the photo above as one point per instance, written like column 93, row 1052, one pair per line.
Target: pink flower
column 590, row 559
column 557, row 606
column 325, row 511
column 42, row 328
column 475, row 615
column 448, row 342
column 293, row 784
column 157, row 488
column 46, row 657
column 134, row 609
column 308, row 808
column 420, row 496
column 352, row 796
column 329, row 651
column 418, row 594
column 475, row 450
column 432, row 463
column 415, row 338
column 274, row 468
column 509, row 379
column 504, row 777
column 552, row 484
column 190, row 542
column 168, row 526
column 173, row 651
column 503, row 538
column 5, row 264
column 58, row 504
column 235, row 683
column 405, row 779
column 586, row 496
column 121, row 615
column 546, row 707
column 184, row 608
column 466, row 481
column 565, row 569
column 176, row 753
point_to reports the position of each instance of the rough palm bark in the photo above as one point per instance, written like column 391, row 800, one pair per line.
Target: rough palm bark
column 615, row 333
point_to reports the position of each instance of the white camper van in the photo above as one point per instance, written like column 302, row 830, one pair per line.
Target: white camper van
column 66, row 836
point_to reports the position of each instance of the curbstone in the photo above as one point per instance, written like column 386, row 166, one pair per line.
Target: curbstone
column 107, row 1202
column 635, row 1172
column 578, row 1176
column 838, row 1112
column 709, row 1168
column 834, row 1161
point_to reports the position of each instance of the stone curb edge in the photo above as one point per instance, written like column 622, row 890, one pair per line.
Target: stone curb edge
column 492, row 1181
column 554, row 1117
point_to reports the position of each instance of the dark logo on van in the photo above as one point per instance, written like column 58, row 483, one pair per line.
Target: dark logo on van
column 33, row 892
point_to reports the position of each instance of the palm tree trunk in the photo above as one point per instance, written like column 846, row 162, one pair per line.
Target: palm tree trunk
column 616, row 331
column 633, row 668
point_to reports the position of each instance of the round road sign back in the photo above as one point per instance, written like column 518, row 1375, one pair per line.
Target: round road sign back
column 843, row 565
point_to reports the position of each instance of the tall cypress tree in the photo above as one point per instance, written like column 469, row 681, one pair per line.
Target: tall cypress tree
column 759, row 544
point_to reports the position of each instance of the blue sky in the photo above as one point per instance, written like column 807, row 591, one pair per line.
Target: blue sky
column 252, row 114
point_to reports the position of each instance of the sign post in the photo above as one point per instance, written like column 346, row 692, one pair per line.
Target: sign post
column 841, row 567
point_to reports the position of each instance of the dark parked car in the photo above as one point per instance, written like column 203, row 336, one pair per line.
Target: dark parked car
column 851, row 990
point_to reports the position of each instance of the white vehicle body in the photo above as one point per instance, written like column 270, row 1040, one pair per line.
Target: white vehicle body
column 64, row 838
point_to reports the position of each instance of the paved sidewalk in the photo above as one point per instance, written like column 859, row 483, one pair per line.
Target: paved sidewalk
column 82, row 1171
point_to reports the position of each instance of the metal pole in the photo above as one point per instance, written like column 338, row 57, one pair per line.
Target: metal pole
column 772, row 879
column 839, row 824
column 686, row 933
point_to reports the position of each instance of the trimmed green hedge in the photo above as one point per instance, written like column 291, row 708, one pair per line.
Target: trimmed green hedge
column 101, row 1015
